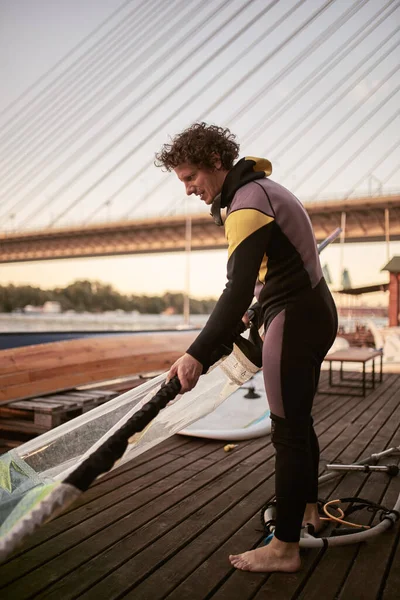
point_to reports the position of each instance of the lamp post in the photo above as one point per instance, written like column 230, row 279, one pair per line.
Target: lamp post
column 188, row 247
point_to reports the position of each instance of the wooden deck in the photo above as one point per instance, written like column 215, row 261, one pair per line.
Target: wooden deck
column 163, row 525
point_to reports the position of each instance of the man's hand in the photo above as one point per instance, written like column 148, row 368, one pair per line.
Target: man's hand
column 246, row 320
column 188, row 370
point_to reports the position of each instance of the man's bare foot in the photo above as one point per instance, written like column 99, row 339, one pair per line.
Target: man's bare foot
column 311, row 516
column 277, row 556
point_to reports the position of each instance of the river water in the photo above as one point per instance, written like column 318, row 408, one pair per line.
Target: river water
column 107, row 321
column 115, row 321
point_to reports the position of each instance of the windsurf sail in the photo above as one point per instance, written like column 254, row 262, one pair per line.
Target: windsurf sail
column 44, row 476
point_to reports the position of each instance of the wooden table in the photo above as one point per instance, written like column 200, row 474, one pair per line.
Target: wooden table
column 356, row 355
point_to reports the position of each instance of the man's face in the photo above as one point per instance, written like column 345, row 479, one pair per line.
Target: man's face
column 206, row 183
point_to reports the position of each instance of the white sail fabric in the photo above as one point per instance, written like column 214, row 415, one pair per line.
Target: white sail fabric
column 34, row 472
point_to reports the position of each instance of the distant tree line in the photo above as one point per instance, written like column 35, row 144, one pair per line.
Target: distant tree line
column 94, row 296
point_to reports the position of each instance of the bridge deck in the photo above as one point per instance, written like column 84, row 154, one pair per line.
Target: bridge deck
column 365, row 221
column 163, row 525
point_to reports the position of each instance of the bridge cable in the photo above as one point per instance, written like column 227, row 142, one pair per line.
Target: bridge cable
column 68, row 70
column 233, row 88
column 50, row 71
column 63, row 126
column 176, row 89
column 82, row 150
column 126, row 215
column 325, row 69
column 347, row 137
column 65, row 143
column 349, row 115
column 301, row 119
column 89, row 92
column 300, row 135
column 372, row 169
column 224, row 70
column 388, row 177
column 357, row 152
column 314, row 45
column 107, row 202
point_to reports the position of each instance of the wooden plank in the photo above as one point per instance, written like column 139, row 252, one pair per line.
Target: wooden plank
column 184, row 474
column 81, row 403
column 136, row 591
column 130, row 472
column 108, row 558
column 215, row 577
column 88, row 494
column 216, row 495
column 98, row 371
column 367, row 573
column 22, row 426
column 391, row 580
column 335, row 564
column 328, row 398
column 239, row 507
column 49, row 411
column 368, row 567
column 162, row 466
column 85, row 401
column 45, row 405
column 283, row 587
column 55, row 402
column 123, row 530
column 122, row 384
column 71, row 352
column 200, row 583
column 359, row 424
column 215, row 572
column 142, row 540
column 64, row 365
column 97, row 393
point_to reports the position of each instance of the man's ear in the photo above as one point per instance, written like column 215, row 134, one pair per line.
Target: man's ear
column 217, row 162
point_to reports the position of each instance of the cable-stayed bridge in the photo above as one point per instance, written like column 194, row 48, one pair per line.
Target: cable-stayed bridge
column 372, row 219
column 312, row 85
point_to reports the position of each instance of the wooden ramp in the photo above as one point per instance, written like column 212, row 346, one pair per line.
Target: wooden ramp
column 163, row 525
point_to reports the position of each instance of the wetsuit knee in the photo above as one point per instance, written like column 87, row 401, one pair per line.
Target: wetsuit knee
column 293, row 433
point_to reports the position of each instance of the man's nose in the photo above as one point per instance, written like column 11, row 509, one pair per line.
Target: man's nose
column 189, row 189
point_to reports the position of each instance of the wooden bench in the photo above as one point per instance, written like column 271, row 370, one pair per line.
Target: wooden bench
column 354, row 355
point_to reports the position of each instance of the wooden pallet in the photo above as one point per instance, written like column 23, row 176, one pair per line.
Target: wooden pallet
column 25, row 419
column 49, row 411
column 162, row 526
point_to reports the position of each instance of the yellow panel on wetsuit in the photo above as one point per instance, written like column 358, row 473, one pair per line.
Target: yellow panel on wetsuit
column 240, row 224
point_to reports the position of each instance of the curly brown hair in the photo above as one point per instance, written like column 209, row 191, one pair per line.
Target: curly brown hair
column 198, row 145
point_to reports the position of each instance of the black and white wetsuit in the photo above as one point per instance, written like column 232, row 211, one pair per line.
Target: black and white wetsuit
column 272, row 253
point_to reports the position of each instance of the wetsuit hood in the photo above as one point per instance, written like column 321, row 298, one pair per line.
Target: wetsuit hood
column 245, row 170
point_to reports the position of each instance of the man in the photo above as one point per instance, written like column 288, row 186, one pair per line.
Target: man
column 272, row 253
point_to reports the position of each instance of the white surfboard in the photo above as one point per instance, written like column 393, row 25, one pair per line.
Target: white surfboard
column 238, row 417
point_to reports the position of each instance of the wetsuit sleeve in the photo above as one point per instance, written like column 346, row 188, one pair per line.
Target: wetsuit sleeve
column 247, row 231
